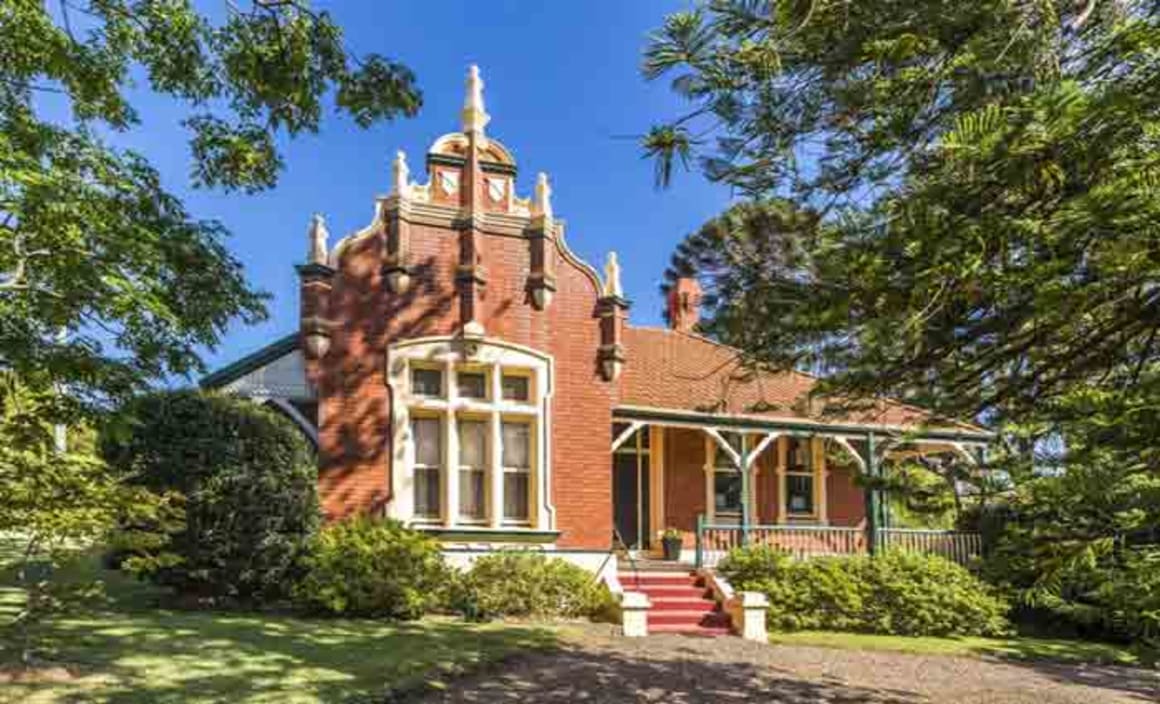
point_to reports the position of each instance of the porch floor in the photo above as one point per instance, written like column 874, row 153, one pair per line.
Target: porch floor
column 651, row 564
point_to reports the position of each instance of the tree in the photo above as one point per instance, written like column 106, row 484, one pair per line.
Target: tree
column 106, row 282
column 953, row 204
column 248, row 479
column 983, row 196
column 55, row 505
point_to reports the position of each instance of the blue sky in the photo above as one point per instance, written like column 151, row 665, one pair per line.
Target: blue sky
column 563, row 87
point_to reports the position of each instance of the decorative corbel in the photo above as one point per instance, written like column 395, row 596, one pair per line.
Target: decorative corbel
column 397, row 243
column 314, row 328
column 316, row 337
column 542, row 237
column 612, row 307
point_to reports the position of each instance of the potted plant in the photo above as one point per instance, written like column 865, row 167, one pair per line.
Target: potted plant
column 671, row 542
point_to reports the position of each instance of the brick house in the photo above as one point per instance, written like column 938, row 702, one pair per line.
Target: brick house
column 460, row 369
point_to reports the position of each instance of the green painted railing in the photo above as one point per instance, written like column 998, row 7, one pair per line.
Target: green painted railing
column 958, row 546
column 714, row 541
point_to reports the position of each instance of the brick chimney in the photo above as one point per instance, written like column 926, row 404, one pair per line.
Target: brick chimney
column 684, row 304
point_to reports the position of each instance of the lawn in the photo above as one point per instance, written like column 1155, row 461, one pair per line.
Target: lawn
column 123, row 650
column 1020, row 648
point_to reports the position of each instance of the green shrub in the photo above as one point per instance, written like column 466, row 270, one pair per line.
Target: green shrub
column 372, row 567
column 520, row 583
column 895, row 593
column 248, row 478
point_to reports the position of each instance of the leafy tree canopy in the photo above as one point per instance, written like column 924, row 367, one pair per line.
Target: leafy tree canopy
column 105, row 280
column 952, row 203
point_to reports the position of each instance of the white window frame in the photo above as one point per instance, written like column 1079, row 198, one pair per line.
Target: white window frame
column 437, row 468
column 495, row 358
column 811, row 471
column 713, row 450
column 529, row 470
column 461, row 468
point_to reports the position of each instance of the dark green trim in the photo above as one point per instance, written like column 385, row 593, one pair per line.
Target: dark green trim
column 500, row 535
column 235, row 370
column 489, row 167
column 494, row 167
column 314, row 269
column 771, row 424
column 605, row 302
column 444, row 160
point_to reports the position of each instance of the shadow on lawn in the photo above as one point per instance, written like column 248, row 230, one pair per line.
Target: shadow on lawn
column 577, row 674
column 169, row 656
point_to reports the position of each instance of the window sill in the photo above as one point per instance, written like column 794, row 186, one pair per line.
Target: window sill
column 506, row 534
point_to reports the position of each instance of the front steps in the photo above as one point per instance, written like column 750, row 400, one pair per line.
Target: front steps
column 680, row 602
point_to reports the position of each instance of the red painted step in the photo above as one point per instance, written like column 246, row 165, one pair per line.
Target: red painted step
column 680, row 603
column 690, row 618
column 711, row 632
column 666, row 603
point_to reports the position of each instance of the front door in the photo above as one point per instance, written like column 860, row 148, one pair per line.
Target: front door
column 630, row 498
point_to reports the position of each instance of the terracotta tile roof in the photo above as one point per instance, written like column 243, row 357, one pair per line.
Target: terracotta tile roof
column 673, row 370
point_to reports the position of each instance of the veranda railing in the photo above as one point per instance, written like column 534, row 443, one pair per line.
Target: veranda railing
column 714, row 541
column 960, row 546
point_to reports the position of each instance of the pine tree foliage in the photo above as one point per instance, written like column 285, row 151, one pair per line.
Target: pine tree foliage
column 953, row 204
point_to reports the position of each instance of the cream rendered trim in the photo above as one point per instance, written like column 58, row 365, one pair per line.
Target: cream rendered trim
column 752, row 467
column 493, row 354
column 626, row 434
column 415, row 210
column 374, row 227
column 845, row 443
column 752, row 456
column 574, row 259
column 733, row 456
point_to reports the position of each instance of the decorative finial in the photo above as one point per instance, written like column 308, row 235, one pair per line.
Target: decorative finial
column 402, row 175
column 612, row 285
column 474, row 117
column 318, row 237
column 542, row 203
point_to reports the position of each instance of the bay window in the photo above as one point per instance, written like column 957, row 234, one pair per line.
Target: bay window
column 470, row 440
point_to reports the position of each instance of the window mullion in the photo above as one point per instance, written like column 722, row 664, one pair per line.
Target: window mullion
column 495, row 471
column 450, row 469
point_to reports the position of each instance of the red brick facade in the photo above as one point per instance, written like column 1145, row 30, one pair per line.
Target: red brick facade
column 462, row 259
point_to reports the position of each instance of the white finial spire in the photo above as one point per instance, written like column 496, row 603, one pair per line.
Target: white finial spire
column 542, row 202
column 612, row 285
column 474, row 117
column 401, row 174
column 318, row 237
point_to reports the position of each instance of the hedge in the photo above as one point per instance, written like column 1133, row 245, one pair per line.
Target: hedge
column 895, row 593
